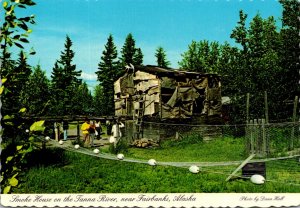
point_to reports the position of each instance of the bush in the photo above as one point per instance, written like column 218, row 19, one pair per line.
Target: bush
column 121, row 147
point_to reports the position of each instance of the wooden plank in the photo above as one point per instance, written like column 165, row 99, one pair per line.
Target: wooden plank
column 266, row 108
column 241, row 165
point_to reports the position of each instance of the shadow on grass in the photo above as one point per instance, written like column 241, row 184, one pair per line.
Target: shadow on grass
column 47, row 157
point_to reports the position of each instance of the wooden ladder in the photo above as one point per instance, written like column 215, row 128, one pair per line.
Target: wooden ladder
column 139, row 119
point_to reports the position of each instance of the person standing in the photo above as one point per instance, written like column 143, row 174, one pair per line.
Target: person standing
column 65, row 129
column 85, row 130
column 92, row 131
column 108, row 127
column 98, row 129
column 116, row 131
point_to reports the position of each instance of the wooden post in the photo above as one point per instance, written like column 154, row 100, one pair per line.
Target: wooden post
column 266, row 108
column 160, row 98
column 251, row 136
column 259, row 137
column 247, row 107
column 294, row 120
column 255, row 135
column 264, row 141
column 78, row 132
column 248, row 138
column 56, row 131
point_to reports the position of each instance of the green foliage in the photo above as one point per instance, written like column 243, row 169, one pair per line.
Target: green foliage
column 37, row 126
column 161, row 58
column 17, row 75
column 121, row 147
column 84, row 100
column 65, row 81
column 108, row 73
column 138, row 57
column 201, row 56
column 12, row 160
column 99, row 101
column 14, row 32
column 37, row 87
column 130, row 54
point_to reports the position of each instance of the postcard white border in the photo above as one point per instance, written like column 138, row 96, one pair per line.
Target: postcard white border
column 153, row 200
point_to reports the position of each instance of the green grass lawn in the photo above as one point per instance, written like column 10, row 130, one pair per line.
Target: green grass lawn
column 59, row 171
column 223, row 149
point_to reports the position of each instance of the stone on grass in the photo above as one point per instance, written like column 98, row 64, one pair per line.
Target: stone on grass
column 194, row 169
column 152, row 162
column 120, row 156
column 257, row 179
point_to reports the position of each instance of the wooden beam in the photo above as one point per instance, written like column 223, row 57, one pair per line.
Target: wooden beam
column 241, row 166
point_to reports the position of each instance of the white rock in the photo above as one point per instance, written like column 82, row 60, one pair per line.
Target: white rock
column 76, row 146
column 47, row 138
column 27, row 130
column 257, row 179
column 61, row 142
column 152, row 162
column 96, row 151
column 194, row 169
column 120, row 156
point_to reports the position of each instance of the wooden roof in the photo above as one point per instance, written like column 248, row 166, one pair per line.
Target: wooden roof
column 171, row 72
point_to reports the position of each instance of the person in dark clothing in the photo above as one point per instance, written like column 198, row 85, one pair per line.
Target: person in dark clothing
column 108, row 126
column 98, row 129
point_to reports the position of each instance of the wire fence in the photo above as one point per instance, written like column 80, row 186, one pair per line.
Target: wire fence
column 263, row 139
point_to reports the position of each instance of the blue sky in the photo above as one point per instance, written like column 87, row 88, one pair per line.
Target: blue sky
column 172, row 24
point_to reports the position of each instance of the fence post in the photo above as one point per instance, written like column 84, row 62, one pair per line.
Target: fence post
column 78, row 132
column 256, row 135
column 252, row 136
column 247, row 107
column 293, row 120
column 264, row 141
column 266, row 107
column 248, row 128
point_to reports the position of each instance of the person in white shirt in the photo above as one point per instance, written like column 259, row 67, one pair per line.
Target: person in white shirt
column 116, row 131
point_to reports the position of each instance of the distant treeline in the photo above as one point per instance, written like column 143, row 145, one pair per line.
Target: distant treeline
column 264, row 58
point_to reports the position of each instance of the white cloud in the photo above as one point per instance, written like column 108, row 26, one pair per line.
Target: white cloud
column 87, row 76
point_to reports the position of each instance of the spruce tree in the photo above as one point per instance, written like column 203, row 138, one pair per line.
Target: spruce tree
column 138, row 57
column 161, row 58
column 107, row 74
column 65, row 81
column 83, row 99
column 17, row 74
column 128, row 51
column 35, row 97
column 289, row 50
